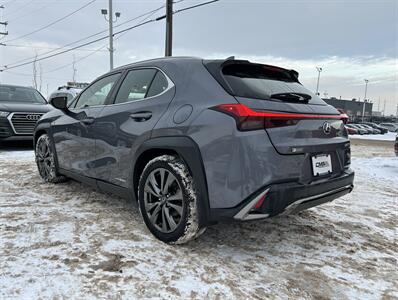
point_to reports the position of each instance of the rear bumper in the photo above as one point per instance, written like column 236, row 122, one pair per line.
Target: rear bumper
column 287, row 198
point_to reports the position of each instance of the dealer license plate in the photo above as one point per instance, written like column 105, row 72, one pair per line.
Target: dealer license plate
column 321, row 164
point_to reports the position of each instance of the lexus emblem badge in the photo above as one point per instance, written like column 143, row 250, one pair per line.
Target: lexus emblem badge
column 327, row 128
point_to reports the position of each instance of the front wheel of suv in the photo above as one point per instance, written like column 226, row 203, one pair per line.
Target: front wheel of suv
column 45, row 160
column 168, row 200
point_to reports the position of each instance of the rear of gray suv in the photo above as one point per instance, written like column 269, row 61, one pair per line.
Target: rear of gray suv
column 198, row 141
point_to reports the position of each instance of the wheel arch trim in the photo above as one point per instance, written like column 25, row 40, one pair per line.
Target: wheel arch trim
column 190, row 153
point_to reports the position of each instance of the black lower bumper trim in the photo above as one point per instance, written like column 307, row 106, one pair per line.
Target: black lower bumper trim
column 292, row 197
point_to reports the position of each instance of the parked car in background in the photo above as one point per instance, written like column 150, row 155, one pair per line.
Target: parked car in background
column 198, row 142
column 20, row 109
column 70, row 91
column 351, row 130
column 367, row 130
column 373, row 130
column 382, row 129
column 361, row 131
column 390, row 126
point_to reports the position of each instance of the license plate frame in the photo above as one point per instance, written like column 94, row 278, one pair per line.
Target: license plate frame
column 321, row 164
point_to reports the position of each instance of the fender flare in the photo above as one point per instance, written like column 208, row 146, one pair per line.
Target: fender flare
column 189, row 151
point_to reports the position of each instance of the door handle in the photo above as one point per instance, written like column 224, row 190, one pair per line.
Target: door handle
column 87, row 121
column 141, row 116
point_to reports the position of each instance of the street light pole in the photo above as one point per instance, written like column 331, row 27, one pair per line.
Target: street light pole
column 110, row 22
column 319, row 69
column 110, row 35
column 364, row 100
column 169, row 28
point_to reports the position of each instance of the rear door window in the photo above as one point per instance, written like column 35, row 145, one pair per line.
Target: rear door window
column 136, row 85
column 158, row 86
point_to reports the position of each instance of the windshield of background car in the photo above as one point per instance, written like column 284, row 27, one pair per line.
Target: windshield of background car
column 261, row 81
column 20, row 94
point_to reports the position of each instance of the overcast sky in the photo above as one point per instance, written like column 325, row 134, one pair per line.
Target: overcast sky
column 351, row 40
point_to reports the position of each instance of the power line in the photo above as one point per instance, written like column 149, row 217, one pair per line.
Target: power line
column 46, row 48
column 85, row 38
column 79, row 46
column 195, row 6
column 46, row 5
column 18, row 8
column 52, row 23
column 97, row 50
column 104, row 37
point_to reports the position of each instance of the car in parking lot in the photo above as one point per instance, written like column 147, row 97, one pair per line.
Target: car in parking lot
column 371, row 129
column 197, row 142
column 390, row 126
column 360, row 130
column 382, row 129
column 351, row 130
column 367, row 130
column 20, row 109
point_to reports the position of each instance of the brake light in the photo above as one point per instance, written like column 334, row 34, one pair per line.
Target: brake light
column 248, row 119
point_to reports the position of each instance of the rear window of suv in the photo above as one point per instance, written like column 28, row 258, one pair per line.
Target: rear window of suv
column 262, row 82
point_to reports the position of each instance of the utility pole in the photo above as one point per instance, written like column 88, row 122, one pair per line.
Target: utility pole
column 319, row 69
column 384, row 107
column 4, row 33
column 110, row 22
column 364, row 100
column 34, row 81
column 74, row 69
column 169, row 28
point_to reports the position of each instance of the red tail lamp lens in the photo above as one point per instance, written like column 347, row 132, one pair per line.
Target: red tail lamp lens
column 248, row 119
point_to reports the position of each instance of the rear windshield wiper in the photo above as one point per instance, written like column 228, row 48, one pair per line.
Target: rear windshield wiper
column 292, row 97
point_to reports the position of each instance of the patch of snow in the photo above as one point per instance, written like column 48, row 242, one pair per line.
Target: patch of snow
column 69, row 241
column 389, row 136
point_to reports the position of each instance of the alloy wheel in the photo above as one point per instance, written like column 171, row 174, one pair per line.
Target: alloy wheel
column 44, row 158
column 163, row 200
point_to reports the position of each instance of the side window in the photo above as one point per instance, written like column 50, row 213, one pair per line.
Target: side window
column 135, row 86
column 158, row 86
column 96, row 93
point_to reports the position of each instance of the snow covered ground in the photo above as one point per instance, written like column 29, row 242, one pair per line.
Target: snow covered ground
column 69, row 241
column 389, row 136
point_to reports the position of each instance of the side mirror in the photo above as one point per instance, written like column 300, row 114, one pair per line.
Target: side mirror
column 60, row 103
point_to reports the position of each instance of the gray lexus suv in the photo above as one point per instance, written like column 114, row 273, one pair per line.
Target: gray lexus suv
column 195, row 142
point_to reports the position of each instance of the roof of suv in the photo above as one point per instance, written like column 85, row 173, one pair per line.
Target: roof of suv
column 16, row 86
column 160, row 59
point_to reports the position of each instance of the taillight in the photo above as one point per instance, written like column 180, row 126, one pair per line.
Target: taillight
column 248, row 119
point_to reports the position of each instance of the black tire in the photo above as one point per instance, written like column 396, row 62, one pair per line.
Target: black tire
column 45, row 160
column 175, row 202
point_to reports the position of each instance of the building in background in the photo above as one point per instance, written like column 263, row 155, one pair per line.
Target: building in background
column 353, row 108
